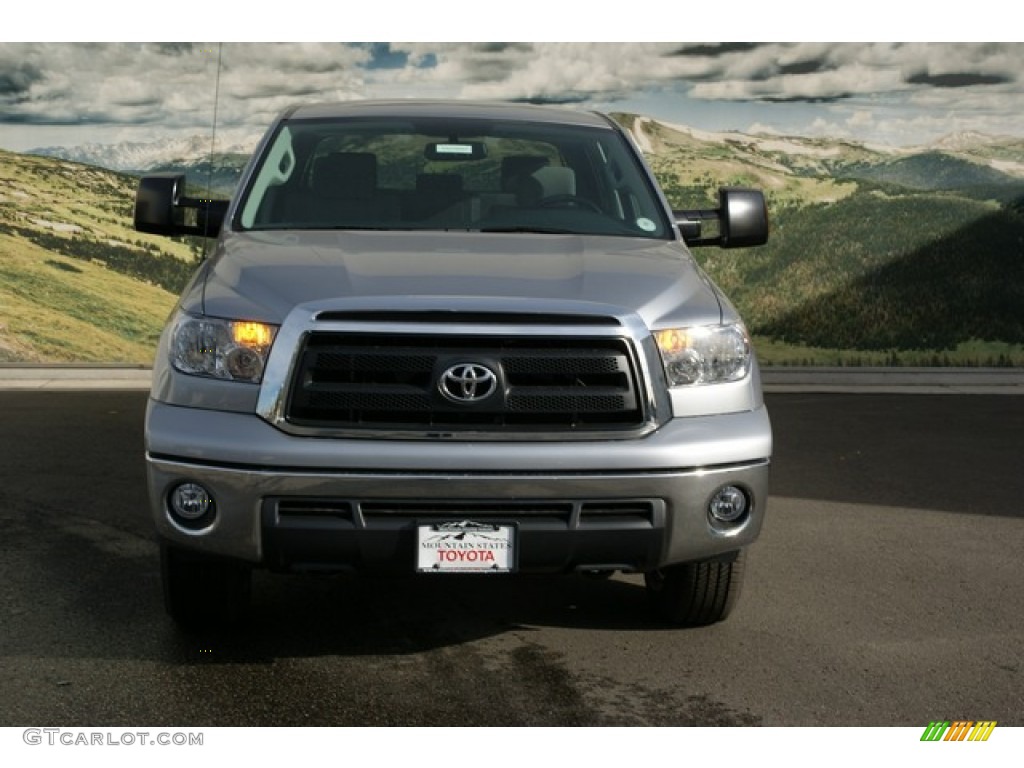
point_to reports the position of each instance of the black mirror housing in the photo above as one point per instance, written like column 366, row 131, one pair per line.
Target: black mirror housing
column 162, row 209
column 742, row 217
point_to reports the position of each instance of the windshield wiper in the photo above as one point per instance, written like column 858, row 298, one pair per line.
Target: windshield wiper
column 307, row 227
column 357, row 228
column 534, row 230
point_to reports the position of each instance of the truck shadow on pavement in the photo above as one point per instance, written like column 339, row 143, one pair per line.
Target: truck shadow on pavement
column 938, row 452
column 304, row 616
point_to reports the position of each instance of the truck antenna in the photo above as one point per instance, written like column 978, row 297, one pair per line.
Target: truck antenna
column 213, row 135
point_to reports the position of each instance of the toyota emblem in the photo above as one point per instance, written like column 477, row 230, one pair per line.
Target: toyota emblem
column 468, row 383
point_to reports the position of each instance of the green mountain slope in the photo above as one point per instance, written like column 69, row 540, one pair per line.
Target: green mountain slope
column 931, row 170
column 77, row 283
column 875, row 257
column 876, row 273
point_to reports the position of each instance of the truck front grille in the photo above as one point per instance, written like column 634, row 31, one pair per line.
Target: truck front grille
column 377, row 381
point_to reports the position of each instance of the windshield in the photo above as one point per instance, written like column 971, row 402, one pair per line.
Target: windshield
column 492, row 176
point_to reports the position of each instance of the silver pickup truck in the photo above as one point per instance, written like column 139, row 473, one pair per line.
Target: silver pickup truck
column 453, row 337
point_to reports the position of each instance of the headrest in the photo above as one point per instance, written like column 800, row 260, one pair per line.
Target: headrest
column 556, row 180
column 445, row 184
column 345, row 174
column 517, row 167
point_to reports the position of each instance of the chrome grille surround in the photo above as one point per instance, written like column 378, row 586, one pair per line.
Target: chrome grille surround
column 332, row 374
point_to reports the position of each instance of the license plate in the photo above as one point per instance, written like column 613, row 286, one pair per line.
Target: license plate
column 465, row 547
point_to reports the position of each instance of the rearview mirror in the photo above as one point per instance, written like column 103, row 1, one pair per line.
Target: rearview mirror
column 454, row 151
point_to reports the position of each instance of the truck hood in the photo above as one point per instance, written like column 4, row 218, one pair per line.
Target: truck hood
column 264, row 275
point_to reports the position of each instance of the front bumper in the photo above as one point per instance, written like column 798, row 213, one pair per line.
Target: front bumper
column 294, row 502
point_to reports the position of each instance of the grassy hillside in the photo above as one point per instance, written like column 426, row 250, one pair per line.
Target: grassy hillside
column 930, row 170
column 77, row 283
column 691, row 169
column 915, row 279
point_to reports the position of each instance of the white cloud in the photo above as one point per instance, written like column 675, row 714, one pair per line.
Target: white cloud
column 861, row 118
column 857, row 89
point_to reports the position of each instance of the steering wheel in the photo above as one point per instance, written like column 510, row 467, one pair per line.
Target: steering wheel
column 567, row 201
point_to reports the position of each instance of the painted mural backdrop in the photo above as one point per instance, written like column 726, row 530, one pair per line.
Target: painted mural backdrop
column 894, row 174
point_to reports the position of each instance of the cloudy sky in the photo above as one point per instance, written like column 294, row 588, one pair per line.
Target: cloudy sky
column 889, row 93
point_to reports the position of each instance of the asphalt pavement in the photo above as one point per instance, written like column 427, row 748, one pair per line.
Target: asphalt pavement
column 885, row 590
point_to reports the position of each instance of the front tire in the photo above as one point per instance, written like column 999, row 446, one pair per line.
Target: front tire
column 202, row 592
column 696, row 594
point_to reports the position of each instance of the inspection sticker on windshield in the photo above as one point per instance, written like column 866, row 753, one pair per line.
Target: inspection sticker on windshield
column 465, row 547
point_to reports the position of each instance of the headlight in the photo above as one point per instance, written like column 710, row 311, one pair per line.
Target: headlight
column 707, row 354
column 222, row 349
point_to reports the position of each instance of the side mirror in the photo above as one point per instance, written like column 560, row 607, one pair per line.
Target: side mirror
column 162, row 209
column 742, row 218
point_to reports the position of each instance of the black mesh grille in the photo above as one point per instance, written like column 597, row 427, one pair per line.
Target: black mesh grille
column 587, row 513
column 458, row 510
column 547, row 364
column 315, row 508
column 377, row 381
column 556, row 402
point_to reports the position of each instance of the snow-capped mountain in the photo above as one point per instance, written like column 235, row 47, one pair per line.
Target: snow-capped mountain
column 143, row 156
column 966, row 140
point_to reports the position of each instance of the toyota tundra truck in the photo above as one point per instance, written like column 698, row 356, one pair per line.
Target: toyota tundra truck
column 444, row 338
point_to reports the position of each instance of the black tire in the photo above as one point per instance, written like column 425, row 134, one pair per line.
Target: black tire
column 696, row 594
column 201, row 592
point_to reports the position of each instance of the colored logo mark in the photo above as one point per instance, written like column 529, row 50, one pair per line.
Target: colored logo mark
column 958, row 730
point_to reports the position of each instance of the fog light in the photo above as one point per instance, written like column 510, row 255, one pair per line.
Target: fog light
column 191, row 504
column 729, row 504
